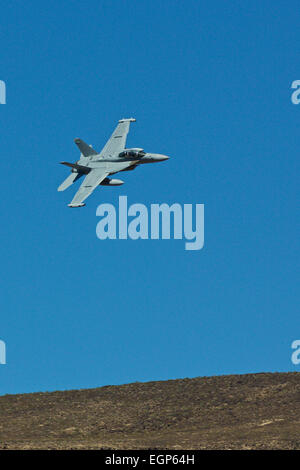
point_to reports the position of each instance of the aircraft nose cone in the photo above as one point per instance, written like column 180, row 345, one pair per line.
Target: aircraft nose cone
column 161, row 158
column 155, row 157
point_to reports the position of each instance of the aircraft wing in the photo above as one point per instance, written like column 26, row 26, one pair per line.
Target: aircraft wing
column 117, row 141
column 90, row 182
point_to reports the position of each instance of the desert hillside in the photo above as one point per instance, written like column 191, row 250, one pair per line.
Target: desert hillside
column 252, row 411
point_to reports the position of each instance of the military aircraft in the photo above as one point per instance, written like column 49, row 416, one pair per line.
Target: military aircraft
column 96, row 167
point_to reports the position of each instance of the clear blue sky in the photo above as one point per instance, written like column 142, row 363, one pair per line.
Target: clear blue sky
column 209, row 84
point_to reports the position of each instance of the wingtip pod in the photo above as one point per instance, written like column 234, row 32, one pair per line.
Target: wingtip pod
column 76, row 205
column 127, row 120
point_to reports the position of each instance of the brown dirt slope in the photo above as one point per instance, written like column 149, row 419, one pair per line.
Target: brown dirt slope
column 252, row 411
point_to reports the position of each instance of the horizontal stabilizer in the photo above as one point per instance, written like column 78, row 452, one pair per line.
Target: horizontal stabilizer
column 80, row 168
column 69, row 181
column 84, row 148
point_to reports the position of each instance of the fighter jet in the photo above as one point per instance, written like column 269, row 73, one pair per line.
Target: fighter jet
column 96, row 167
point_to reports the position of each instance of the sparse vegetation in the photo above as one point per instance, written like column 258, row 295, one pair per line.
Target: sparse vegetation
column 252, row 411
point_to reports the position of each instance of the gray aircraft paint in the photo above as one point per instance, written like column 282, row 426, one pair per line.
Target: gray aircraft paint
column 96, row 167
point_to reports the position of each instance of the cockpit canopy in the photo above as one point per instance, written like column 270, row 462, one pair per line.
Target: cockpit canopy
column 132, row 153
